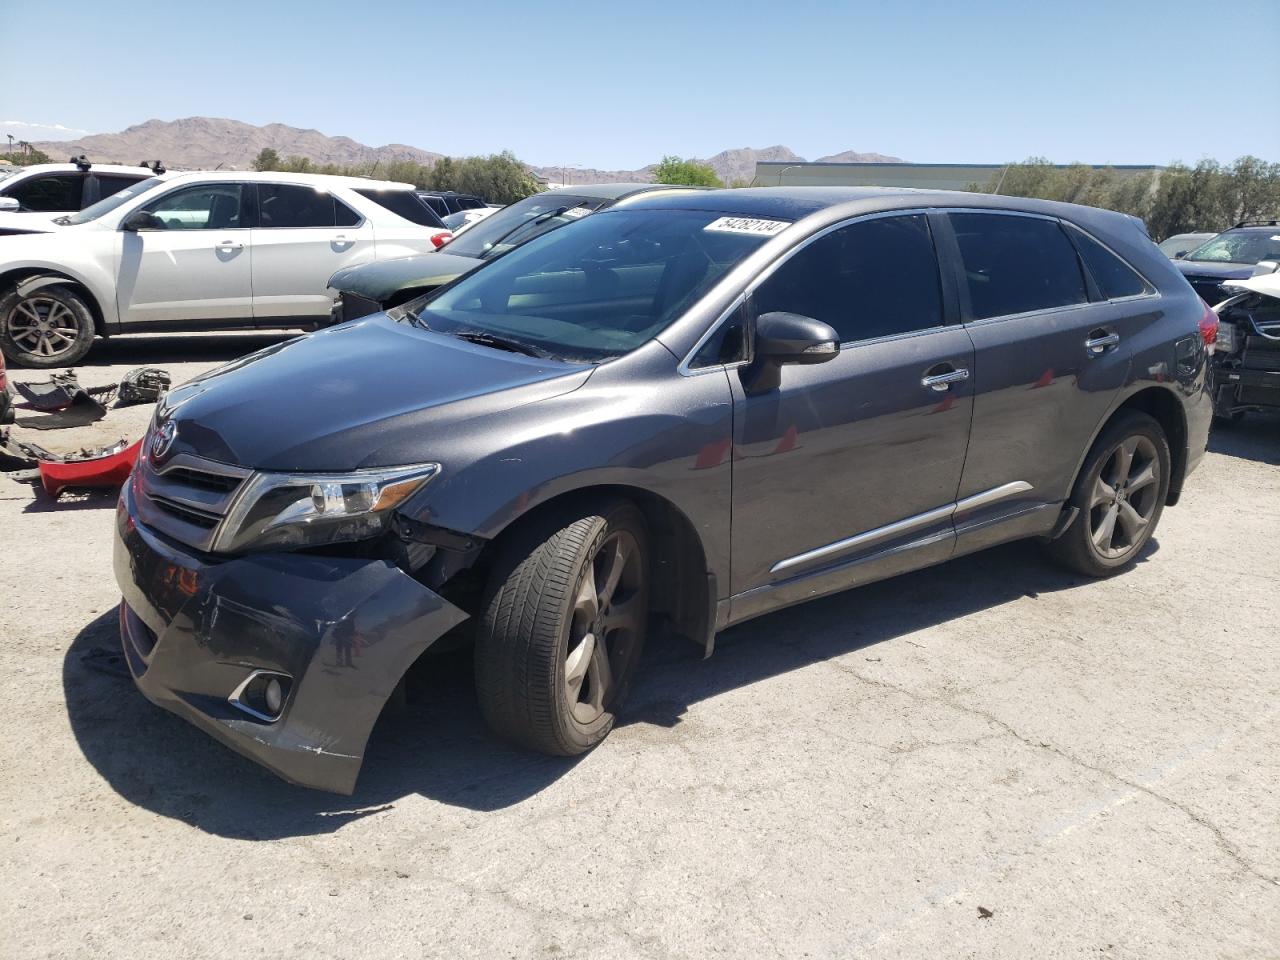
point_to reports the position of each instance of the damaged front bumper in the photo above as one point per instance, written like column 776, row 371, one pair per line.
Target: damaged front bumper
column 339, row 632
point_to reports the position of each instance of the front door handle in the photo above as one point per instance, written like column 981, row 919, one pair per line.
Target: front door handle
column 230, row 245
column 1100, row 341
column 941, row 382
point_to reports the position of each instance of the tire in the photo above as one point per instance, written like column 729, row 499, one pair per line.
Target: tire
column 544, row 679
column 1124, row 480
column 51, row 327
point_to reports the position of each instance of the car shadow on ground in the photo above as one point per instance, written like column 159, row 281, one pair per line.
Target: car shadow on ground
column 157, row 349
column 438, row 746
column 1255, row 437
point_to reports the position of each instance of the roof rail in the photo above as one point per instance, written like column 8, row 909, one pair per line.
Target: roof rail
column 155, row 166
column 1258, row 223
column 81, row 161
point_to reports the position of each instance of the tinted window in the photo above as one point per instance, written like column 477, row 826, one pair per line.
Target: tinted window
column 470, row 203
column 48, row 194
column 594, row 290
column 727, row 345
column 205, row 206
column 107, row 204
column 1015, row 264
column 344, row 216
column 869, row 279
column 108, row 184
column 437, row 205
column 404, row 203
column 290, row 205
column 1114, row 277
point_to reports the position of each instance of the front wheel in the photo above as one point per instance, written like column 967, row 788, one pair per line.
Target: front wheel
column 1119, row 497
column 563, row 626
column 51, row 327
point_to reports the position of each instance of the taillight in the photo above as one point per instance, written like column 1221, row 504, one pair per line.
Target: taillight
column 438, row 240
column 1208, row 326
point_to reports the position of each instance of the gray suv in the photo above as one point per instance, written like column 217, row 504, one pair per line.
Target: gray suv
column 672, row 415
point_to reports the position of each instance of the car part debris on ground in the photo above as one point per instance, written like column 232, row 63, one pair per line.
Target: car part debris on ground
column 70, row 404
column 98, row 467
column 143, row 385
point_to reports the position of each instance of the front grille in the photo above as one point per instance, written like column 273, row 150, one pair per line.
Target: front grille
column 1210, row 290
column 1261, row 353
column 186, row 498
column 1263, row 396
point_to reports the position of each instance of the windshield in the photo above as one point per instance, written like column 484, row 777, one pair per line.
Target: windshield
column 110, row 203
column 1244, row 246
column 521, row 222
column 595, row 290
column 5, row 174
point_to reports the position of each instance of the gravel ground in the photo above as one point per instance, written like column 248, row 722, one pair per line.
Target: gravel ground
column 1095, row 764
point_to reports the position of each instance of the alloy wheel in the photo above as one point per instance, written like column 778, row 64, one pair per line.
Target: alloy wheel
column 606, row 620
column 1124, row 497
column 43, row 326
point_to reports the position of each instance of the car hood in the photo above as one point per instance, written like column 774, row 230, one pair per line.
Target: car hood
column 29, row 222
column 379, row 280
column 1214, row 269
column 1267, row 283
column 364, row 394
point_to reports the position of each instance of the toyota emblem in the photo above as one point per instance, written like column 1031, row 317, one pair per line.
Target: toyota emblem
column 163, row 439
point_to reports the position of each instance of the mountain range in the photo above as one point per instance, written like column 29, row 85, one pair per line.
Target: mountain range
column 209, row 143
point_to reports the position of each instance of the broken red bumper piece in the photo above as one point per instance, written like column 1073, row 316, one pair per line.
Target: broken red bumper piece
column 109, row 470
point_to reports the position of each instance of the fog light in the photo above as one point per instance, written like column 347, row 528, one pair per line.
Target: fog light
column 275, row 696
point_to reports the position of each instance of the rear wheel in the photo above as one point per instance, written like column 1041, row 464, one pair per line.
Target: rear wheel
column 51, row 327
column 563, row 627
column 1119, row 497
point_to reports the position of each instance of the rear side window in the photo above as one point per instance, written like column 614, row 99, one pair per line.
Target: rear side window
column 870, row 279
column 290, row 205
column 404, row 203
column 437, row 205
column 109, row 185
column 48, row 194
column 1016, row 264
column 1114, row 277
column 470, row 203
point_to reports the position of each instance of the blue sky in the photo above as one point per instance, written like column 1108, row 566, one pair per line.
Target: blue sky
column 594, row 84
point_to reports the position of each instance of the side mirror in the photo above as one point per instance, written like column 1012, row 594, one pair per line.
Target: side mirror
column 1264, row 267
column 141, row 220
column 783, row 338
column 9, row 205
column 1180, row 254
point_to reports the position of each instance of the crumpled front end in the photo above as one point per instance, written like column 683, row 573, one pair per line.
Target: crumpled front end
column 205, row 638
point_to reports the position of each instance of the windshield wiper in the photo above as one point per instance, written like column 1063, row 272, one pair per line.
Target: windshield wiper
column 499, row 343
column 523, row 225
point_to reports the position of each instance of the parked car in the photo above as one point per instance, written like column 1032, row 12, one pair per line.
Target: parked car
column 1180, row 244
column 208, row 251
column 445, row 202
column 1245, row 374
column 361, row 291
column 1231, row 255
column 31, row 197
column 678, row 414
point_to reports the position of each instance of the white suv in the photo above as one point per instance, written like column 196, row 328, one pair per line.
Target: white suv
column 31, row 196
column 204, row 251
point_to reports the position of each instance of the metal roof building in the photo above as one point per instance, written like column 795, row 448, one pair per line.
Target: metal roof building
column 928, row 176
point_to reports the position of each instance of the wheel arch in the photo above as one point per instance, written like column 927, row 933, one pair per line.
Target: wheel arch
column 1162, row 405
column 26, row 280
column 683, row 592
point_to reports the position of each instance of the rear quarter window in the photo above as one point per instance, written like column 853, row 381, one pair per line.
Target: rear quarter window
column 1016, row 264
column 406, row 204
column 1114, row 277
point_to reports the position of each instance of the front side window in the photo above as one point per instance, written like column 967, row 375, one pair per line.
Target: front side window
column 205, row 206
column 874, row 278
column 283, row 205
column 107, row 204
column 594, row 290
column 1015, row 264
column 48, row 194
column 1114, row 277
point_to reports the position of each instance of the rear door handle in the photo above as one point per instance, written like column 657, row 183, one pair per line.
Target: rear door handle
column 1100, row 341
column 941, row 382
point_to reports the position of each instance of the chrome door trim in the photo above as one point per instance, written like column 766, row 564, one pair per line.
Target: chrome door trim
column 985, row 498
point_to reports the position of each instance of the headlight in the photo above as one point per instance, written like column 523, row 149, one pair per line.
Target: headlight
column 1226, row 339
column 285, row 511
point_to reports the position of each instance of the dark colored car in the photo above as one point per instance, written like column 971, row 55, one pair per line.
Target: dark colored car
column 1245, row 374
column 674, row 415
column 371, row 287
column 6, row 396
column 1231, row 255
column 445, row 202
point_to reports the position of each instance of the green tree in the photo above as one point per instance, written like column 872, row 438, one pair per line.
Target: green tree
column 691, row 173
column 267, row 159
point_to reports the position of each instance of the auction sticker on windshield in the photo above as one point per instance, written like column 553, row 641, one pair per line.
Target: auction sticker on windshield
column 573, row 213
column 747, row 225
